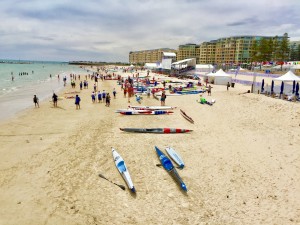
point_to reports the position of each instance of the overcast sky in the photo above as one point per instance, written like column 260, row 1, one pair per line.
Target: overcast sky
column 107, row 30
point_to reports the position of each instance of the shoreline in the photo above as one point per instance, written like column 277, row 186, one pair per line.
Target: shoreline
column 241, row 163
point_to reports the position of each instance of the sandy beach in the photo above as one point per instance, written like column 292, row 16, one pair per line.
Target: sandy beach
column 242, row 162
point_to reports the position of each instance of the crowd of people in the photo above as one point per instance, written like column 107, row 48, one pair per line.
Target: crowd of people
column 97, row 95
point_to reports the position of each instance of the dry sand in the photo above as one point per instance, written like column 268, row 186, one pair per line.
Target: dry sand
column 242, row 162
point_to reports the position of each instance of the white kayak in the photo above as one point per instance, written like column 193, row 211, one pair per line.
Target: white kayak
column 121, row 166
column 175, row 156
column 133, row 110
column 151, row 107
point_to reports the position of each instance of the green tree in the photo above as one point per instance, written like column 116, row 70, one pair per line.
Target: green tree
column 276, row 45
column 265, row 49
column 293, row 54
column 298, row 53
column 284, row 49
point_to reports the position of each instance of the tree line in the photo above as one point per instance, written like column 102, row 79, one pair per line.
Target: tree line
column 274, row 49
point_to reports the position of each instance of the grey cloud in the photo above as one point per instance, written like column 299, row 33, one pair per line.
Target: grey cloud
column 106, row 30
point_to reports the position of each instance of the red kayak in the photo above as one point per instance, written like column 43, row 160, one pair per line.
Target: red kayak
column 156, row 130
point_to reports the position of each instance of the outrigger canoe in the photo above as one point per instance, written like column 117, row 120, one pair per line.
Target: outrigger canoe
column 159, row 112
column 168, row 165
column 121, row 166
column 156, row 130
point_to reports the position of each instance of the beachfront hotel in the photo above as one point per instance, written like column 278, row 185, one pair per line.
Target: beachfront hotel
column 227, row 50
column 188, row 51
column 150, row 56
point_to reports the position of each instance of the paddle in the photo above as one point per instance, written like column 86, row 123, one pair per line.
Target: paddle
column 121, row 186
column 159, row 165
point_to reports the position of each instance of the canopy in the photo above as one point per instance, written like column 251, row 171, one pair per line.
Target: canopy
column 220, row 77
column 219, row 73
column 289, row 76
column 169, row 54
column 204, row 66
column 150, row 65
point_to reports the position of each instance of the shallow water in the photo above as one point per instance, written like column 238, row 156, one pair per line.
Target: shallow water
column 17, row 94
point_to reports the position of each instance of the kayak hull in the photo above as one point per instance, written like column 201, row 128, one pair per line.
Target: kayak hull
column 146, row 112
column 168, row 166
column 122, row 168
column 175, row 156
column 188, row 118
column 156, row 130
column 152, row 107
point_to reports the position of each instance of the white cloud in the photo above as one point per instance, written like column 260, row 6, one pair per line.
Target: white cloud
column 107, row 30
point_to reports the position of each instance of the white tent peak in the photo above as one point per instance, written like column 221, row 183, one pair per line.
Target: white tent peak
column 289, row 76
column 219, row 73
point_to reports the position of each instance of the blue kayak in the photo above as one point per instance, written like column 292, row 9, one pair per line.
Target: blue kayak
column 190, row 92
column 168, row 165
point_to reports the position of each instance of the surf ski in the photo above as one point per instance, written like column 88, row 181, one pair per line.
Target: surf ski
column 156, row 130
column 152, row 107
column 175, row 156
column 168, row 166
column 188, row 118
column 121, row 166
column 146, row 112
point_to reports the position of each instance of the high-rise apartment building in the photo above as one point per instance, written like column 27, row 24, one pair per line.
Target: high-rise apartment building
column 229, row 50
column 207, row 52
column 188, row 51
column 149, row 56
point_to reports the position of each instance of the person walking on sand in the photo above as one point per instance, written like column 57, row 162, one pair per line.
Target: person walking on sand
column 99, row 97
column 77, row 102
column 93, row 97
column 54, row 99
column 209, row 90
column 114, row 93
column 107, row 100
column 36, row 101
column 228, row 85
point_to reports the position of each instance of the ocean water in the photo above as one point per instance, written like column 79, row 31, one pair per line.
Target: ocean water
column 17, row 88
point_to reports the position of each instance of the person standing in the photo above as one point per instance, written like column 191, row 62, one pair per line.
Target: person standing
column 36, row 101
column 54, row 98
column 228, row 85
column 209, row 90
column 107, row 100
column 163, row 98
column 114, row 93
column 99, row 97
column 93, row 97
column 77, row 102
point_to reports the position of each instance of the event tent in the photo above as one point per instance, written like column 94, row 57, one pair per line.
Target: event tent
column 289, row 76
column 204, row 66
column 151, row 65
column 220, row 77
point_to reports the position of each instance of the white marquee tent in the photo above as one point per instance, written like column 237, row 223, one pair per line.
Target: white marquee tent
column 220, row 77
column 289, row 76
column 151, row 65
